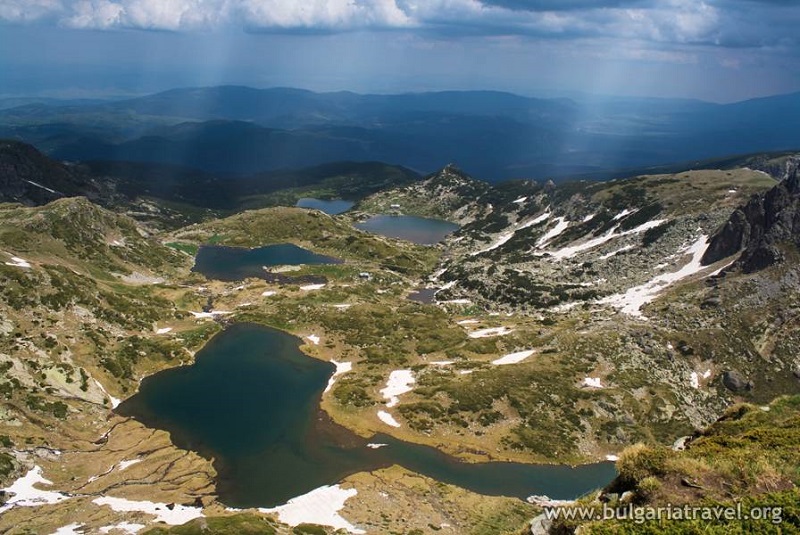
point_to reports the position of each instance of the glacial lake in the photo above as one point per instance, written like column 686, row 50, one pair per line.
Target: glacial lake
column 251, row 402
column 332, row 207
column 236, row 263
column 411, row 228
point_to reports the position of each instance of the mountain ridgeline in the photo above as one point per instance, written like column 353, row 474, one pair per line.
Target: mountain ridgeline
column 491, row 134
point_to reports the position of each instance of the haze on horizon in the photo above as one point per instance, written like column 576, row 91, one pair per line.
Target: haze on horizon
column 715, row 50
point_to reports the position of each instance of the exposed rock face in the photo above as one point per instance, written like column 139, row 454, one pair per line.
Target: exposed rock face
column 31, row 178
column 759, row 227
column 780, row 168
column 734, row 381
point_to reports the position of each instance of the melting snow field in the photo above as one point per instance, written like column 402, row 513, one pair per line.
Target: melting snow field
column 24, row 494
column 320, row 506
column 341, row 369
column 635, row 298
column 19, row 262
column 179, row 514
column 492, row 331
column 399, row 383
column 504, row 237
column 114, row 401
column 209, row 315
column 388, row 419
column 311, row 287
column 592, row 382
column 561, row 226
column 69, row 530
column 127, row 464
column 513, row 358
column 570, row 251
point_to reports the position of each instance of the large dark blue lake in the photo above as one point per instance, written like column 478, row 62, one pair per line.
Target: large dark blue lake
column 236, row 263
column 251, row 402
column 333, row 207
column 411, row 228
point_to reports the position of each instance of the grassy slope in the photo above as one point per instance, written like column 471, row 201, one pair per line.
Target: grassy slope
column 750, row 456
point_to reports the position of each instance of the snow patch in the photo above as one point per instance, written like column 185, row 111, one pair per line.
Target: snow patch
column 635, row 298
column 341, row 369
column 26, row 495
column 592, row 382
column 209, row 315
column 164, row 330
column 375, row 446
column 504, row 237
column 513, row 358
column 622, row 214
column 320, row 506
column 179, row 514
column 114, row 401
column 612, row 458
column 399, row 383
column 520, row 200
column 342, row 306
column 268, row 293
column 127, row 464
column 314, row 339
column 492, row 331
column 32, row 183
column 570, row 251
column 19, row 262
column 388, row 419
column 694, row 380
column 71, row 529
column 615, row 253
column 442, row 362
column 311, row 287
column 467, row 322
column 561, row 226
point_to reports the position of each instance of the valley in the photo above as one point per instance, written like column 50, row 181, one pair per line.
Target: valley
column 569, row 322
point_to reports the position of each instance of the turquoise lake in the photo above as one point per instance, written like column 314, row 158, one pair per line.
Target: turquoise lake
column 333, row 207
column 251, row 402
column 418, row 230
column 235, row 263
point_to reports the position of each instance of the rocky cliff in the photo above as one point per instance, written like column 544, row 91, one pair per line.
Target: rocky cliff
column 760, row 228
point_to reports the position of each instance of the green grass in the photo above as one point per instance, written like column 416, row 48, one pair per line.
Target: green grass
column 242, row 524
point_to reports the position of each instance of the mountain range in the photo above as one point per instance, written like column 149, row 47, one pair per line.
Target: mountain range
column 240, row 130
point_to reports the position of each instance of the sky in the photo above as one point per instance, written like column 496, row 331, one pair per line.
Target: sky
column 714, row 50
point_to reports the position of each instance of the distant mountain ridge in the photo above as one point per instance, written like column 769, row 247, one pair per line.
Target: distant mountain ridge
column 490, row 134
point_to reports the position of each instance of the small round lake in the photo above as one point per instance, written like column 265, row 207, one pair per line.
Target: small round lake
column 236, row 263
column 331, row 207
column 411, row 228
column 251, row 401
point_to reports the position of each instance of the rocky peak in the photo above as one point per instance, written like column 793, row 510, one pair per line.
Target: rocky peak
column 759, row 227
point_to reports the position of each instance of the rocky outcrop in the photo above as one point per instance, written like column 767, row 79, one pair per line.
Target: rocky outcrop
column 759, row 228
column 735, row 382
column 29, row 177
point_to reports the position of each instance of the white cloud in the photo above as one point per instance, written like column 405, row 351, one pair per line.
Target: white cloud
column 323, row 14
column 665, row 22
column 28, row 10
